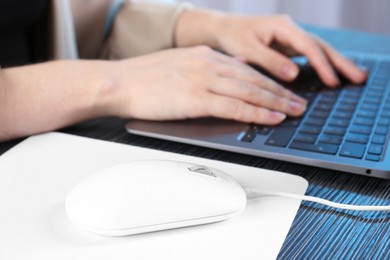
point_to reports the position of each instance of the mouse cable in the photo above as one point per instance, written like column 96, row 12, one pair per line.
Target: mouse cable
column 252, row 191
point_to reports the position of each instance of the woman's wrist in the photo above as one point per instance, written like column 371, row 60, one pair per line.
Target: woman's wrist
column 89, row 86
column 105, row 79
column 199, row 27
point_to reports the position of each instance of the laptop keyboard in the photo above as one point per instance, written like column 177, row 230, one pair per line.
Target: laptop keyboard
column 351, row 121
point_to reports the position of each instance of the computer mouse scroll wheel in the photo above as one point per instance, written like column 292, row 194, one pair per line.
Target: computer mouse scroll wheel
column 202, row 170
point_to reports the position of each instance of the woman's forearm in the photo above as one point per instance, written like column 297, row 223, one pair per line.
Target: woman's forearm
column 48, row 96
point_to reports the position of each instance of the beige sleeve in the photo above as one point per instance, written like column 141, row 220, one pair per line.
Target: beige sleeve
column 142, row 27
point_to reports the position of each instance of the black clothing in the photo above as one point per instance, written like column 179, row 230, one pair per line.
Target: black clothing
column 19, row 20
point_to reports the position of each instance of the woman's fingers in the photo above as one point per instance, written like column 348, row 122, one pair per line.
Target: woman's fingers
column 325, row 60
column 342, row 64
column 304, row 44
column 269, row 41
column 239, row 81
column 255, row 95
column 249, row 75
column 271, row 60
column 235, row 109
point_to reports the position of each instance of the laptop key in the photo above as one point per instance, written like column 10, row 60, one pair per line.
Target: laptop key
column 316, row 121
column 346, row 107
column 385, row 114
column 291, row 122
column 381, row 130
column 280, row 136
column 374, row 94
column 375, row 101
column 331, row 130
column 353, row 150
column 369, row 107
column 360, row 130
column 319, row 148
column 308, row 129
column 375, row 149
column 249, row 136
column 328, row 99
column 320, row 113
column 331, row 139
column 323, row 106
column 364, row 121
column 350, row 100
column 305, row 138
column 343, row 114
column 386, row 106
column 367, row 114
column 331, row 93
column 353, row 92
column 379, row 84
column 356, row 138
column 374, row 158
column 263, row 130
column 338, row 122
column 378, row 139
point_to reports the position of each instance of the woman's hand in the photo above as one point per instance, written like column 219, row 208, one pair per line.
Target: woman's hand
column 173, row 84
column 197, row 82
column 267, row 41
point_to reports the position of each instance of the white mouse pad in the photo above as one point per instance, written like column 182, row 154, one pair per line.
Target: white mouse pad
column 37, row 174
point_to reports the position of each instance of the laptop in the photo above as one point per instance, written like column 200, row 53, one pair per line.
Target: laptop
column 344, row 129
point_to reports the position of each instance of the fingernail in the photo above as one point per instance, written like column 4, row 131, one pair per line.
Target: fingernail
column 298, row 106
column 289, row 72
column 337, row 81
column 334, row 80
column 362, row 68
column 299, row 99
column 364, row 72
column 277, row 116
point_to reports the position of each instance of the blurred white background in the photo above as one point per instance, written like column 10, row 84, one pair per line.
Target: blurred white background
column 365, row 15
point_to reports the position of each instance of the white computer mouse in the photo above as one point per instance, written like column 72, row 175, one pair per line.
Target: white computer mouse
column 145, row 196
